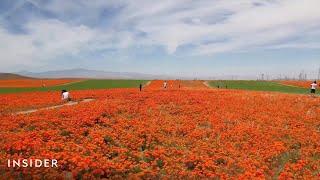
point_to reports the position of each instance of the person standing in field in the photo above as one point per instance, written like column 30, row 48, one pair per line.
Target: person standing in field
column 140, row 87
column 314, row 87
column 165, row 84
column 65, row 95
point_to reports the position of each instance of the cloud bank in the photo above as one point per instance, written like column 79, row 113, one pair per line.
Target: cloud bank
column 39, row 32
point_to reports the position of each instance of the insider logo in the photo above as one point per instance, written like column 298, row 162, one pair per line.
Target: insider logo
column 37, row 163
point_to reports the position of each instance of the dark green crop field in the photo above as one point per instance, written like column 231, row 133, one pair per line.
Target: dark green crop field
column 258, row 86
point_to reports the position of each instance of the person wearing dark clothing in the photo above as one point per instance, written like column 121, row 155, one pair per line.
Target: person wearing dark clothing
column 140, row 87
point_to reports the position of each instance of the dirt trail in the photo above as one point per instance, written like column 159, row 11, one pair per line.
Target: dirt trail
column 195, row 84
column 296, row 83
column 206, row 83
column 147, row 84
column 72, row 82
column 70, row 103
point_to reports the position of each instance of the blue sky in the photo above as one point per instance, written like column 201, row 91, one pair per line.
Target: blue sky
column 173, row 37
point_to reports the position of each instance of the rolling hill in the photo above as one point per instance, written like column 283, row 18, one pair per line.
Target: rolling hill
column 7, row 76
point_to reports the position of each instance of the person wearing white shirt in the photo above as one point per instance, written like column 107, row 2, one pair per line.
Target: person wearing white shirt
column 314, row 87
column 165, row 85
column 65, row 95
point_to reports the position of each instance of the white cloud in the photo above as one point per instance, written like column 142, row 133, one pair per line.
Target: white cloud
column 242, row 24
column 15, row 49
column 210, row 26
column 44, row 41
column 48, row 40
column 312, row 45
column 54, row 37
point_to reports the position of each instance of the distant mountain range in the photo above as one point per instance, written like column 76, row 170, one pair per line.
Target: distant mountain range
column 94, row 74
column 7, row 76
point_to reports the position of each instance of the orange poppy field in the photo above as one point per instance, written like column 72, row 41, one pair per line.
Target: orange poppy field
column 185, row 131
column 19, row 83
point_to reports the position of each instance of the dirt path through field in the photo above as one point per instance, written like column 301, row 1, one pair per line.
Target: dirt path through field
column 206, row 83
column 194, row 84
column 72, row 82
column 296, row 86
column 70, row 103
column 147, row 84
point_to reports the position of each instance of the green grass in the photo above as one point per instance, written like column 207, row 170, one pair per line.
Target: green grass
column 86, row 84
column 258, row 86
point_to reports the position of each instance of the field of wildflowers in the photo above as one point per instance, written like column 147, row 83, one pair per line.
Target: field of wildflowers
column 172, row 133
